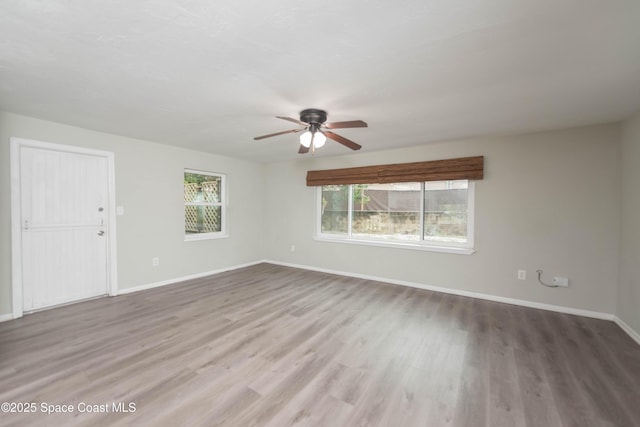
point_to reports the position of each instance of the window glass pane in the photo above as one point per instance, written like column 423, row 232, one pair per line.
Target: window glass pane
column 199, row 188
column 387, row 211
column 202, row 219
column 202, row 203
column 335, row 203
column 445, row 211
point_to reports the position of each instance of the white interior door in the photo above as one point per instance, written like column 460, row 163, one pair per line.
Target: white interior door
column 64, row 212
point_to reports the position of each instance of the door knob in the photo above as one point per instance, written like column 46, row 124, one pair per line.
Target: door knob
column 101, row 233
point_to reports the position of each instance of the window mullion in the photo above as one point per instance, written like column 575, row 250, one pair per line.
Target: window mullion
column 350, row 210
column 319, row 211
column 422, row 190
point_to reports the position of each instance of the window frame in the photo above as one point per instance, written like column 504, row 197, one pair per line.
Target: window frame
column 222, row 203
column 464, row 248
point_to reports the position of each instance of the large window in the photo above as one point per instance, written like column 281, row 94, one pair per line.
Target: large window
column 434, row 214
column 204, row 206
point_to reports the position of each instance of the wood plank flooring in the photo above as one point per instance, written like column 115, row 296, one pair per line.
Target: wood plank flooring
column 276, row 346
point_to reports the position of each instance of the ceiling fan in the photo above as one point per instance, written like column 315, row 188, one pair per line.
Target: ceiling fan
column 316, row 131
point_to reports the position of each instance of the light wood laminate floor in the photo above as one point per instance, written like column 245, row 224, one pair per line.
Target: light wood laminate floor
column 274, row 346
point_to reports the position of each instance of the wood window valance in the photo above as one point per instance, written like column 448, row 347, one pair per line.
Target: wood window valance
column 435, row 170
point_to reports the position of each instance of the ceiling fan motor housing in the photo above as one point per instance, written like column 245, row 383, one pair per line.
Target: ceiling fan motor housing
column 313, row 116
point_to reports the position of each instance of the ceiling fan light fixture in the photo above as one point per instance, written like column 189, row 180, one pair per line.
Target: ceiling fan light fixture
column 319, row 139
column 305, row 139
column 313, row 122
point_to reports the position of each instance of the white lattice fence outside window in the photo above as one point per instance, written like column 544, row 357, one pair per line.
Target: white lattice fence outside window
column 191, row 211
column 210, row 191
column 199, row 215
column 191, row 219
column 191, row 191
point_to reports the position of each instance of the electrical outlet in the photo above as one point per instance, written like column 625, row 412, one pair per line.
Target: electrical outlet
column 561, row 281
column 522, row 274
column 155, row 261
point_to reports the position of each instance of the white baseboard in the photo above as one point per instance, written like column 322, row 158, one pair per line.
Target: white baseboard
column 524, row 303
column 9, row 316
column 184, row 278
column 628, row 329
column 560, row 309
column 6, row 317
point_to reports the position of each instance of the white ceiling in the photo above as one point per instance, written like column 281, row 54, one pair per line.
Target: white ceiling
column 210, row 75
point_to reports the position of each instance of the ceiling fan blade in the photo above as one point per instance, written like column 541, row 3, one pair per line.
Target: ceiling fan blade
column 278, row 133
column 296, row 121
column 347, row 124
column 303, row 149
column 342, row 140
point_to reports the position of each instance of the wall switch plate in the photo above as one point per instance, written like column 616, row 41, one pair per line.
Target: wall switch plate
column 119, row 210
column 522, row 274
column 293, row 248
column 155, row 261
column 561, row 281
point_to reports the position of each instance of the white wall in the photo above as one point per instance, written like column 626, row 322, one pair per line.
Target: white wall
column 549, row 200
column 149, row 186
column 629, row 287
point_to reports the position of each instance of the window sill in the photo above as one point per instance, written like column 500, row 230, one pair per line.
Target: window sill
column 204, row 236
column 398, row 245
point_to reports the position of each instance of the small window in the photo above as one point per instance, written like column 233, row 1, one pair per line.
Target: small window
column 204, row 206
column 425, row 215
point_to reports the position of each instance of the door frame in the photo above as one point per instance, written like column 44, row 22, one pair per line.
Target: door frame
column 16, row 145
